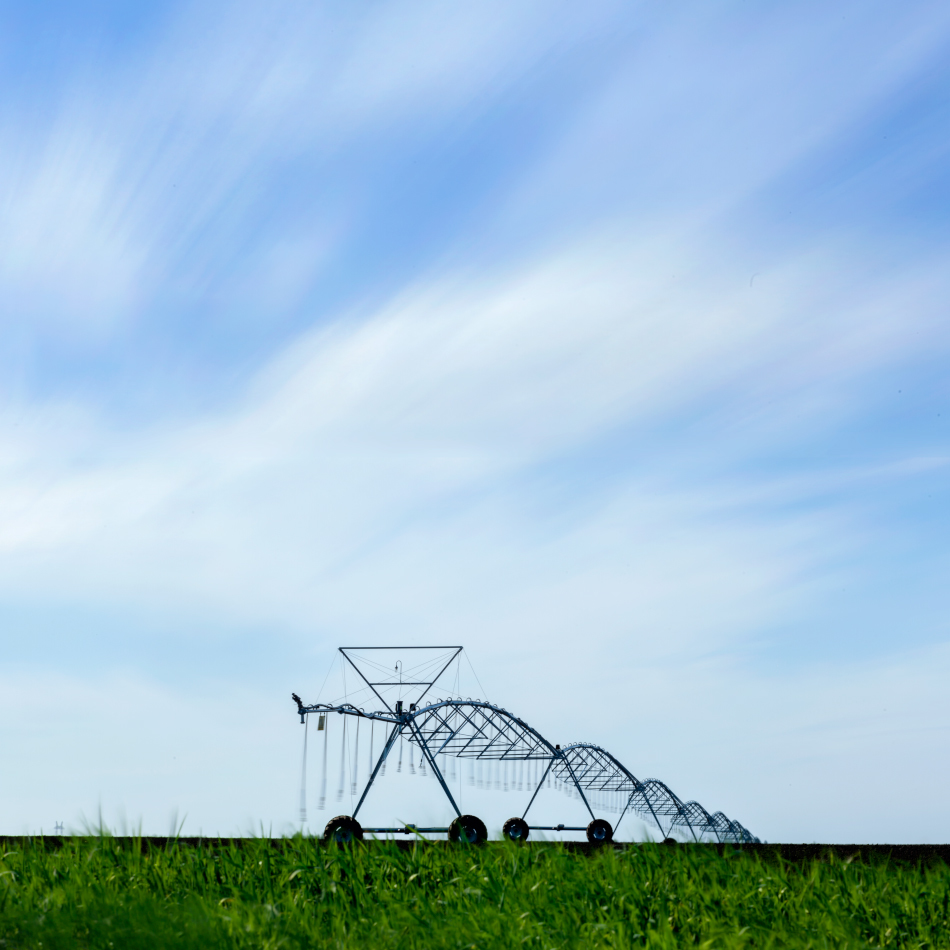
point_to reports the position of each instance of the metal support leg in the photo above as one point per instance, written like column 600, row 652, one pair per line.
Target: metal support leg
column 625, row 807
column 390, row 742
column 538, row 789
column 657, row 820
column 435, row 768
column 579, row 789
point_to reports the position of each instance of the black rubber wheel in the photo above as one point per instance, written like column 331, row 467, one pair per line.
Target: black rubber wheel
column 515, row 829
column 468, row 829
column 670, row 841
column 343, row 830
column 600, row 832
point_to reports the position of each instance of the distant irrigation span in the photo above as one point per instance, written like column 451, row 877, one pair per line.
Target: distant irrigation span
column 500, row 751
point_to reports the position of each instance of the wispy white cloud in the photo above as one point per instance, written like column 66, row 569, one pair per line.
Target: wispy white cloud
column 157, row 178
column 417, row 425
column 67, row 256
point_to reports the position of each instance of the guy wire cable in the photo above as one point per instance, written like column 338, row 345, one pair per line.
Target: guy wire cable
column 477, row 680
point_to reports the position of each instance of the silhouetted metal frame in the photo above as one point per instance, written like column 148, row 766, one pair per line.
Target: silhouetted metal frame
column 345, row 651
column 584, row 764
column 500, row 736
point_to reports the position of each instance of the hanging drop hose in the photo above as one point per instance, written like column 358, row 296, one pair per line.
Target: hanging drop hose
column 369, row 761
column 303, row 772
column 339, row 790
column 323, row 723
column 354, row 778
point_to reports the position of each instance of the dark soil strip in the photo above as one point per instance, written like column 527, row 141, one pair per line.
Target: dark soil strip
column 904, row 853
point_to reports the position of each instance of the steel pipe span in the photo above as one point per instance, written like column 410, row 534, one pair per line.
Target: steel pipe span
column 479, row 730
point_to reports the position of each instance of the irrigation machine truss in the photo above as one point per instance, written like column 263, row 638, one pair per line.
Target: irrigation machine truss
column 477, row 730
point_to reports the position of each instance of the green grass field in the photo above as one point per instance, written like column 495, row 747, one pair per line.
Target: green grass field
column 110, row 893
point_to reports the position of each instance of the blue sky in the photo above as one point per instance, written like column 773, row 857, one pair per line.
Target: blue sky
column 609, row 340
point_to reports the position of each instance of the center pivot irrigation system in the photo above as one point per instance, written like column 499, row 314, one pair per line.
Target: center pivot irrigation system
column 446, row 730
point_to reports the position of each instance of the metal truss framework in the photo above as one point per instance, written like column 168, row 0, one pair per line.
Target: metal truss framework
column 474, row 729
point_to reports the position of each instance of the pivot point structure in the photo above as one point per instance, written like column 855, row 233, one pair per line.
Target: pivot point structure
column 442, row 729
